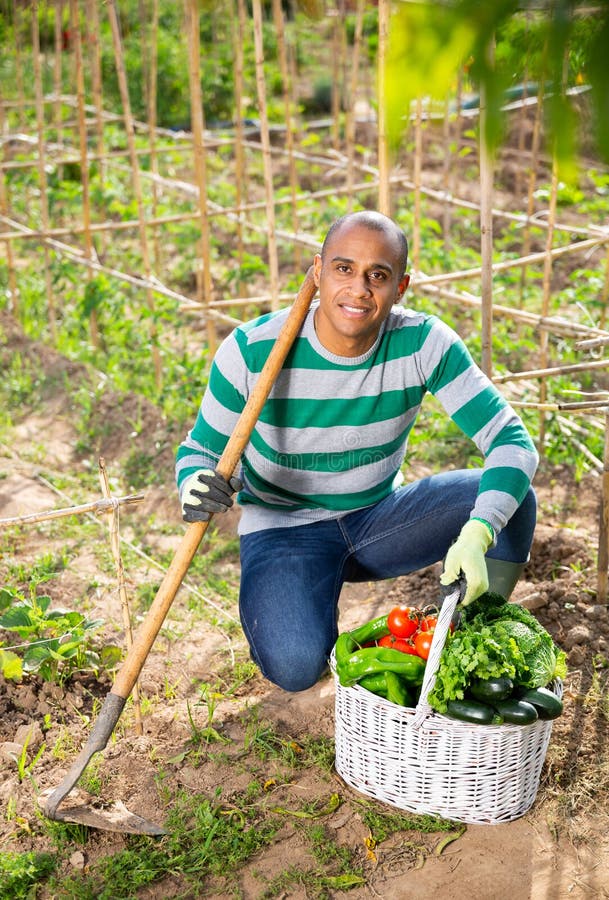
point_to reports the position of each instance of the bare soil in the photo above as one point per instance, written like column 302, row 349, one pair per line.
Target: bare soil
column 560, row 849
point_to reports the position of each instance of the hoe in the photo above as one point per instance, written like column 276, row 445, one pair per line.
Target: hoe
column 115, row 816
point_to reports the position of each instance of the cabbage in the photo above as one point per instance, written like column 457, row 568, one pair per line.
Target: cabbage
column 543, row 660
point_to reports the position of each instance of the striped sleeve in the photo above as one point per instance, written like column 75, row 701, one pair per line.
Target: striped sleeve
column 218, row 413
column 483, row 414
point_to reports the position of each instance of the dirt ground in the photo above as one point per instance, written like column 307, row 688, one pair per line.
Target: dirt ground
column 560, row 849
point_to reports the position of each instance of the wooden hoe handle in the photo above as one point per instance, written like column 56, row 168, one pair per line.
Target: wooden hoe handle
column 150, row 627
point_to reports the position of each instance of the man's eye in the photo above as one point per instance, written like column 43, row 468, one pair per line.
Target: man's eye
column 342, row 268
column 378, row 276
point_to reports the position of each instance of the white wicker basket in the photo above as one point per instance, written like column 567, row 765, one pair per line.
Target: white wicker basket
column 424, row 762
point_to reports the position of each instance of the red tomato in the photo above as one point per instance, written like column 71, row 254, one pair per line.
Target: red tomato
column 429, row 623
column 386, row 641
column 403, row 621
column 390, row 640
column 422, row 643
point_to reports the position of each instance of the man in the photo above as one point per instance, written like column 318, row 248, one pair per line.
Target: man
column 322, row 493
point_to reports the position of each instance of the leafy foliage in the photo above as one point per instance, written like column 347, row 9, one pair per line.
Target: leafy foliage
column 496, row 638
column 19, row 872
column 431, row 43
column 55, row 641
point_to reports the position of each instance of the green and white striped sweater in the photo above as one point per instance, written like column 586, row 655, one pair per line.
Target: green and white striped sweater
column 333, row 433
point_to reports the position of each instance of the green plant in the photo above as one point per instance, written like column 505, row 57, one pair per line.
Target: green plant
column 55, row 641
column 21, row 872
column 23, row 767
column 204, row 838
column 208, row 733
column 383, row 824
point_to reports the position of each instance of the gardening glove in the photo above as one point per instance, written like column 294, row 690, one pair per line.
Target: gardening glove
column 206, row 492
column 467, row 556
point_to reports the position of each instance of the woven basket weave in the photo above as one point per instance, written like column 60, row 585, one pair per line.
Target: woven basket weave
column 424, row 762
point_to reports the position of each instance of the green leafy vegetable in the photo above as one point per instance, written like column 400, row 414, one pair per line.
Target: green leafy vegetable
column 496, row 638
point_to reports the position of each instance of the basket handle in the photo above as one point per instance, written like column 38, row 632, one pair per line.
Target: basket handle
column 454, row 593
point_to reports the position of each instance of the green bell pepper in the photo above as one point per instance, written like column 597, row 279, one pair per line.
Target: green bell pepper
column 370, row 660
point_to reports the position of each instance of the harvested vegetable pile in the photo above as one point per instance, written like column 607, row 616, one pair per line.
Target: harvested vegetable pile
column 496, row 665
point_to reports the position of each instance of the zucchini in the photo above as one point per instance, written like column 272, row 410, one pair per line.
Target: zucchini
column 487, row 690
column 547, row 704
column 472, row 711
column 516, row 712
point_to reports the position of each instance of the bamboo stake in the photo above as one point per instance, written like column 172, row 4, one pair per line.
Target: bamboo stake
column 13, row 296
column 115, row 546
column 240, row 172
column 486, row 230
column 554, row 324
column 336, row 81
column 19, row 59
column 593, row 342
column 57, row 69
column 418, row 168
column 555, row 370
column 289, row 130
column 95, row 506
column 523, row 118
column 152, row 121
column 546, row 292
column 351, row 117
column 604, row 298
column 204, row 281
column 603, row 531
column 383, row 147
column 96, row 83
column 42, row 176
column 447, row 164
column 266, row 152
column 84, row 163
column 130, row 132
column 506, row 264
column 584, row 406
column 526, row 242
column 455, row 157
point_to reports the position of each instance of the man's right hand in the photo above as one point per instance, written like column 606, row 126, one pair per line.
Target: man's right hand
column 206, row 492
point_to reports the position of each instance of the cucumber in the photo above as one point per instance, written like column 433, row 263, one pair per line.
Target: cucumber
column 516, row 712
column 547, row 704
column 487, row 690
column 472, row 711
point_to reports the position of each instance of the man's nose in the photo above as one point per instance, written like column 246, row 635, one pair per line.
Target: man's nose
column 359, row 285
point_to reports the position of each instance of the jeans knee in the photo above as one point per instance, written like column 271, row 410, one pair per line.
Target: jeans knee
column 294, row 673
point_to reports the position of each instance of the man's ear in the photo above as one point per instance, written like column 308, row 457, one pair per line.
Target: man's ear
column 317, row 269
column 403, row 285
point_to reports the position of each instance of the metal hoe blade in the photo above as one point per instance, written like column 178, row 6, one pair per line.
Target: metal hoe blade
column 84, row 809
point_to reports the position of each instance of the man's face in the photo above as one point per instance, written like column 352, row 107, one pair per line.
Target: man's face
column 359, row 280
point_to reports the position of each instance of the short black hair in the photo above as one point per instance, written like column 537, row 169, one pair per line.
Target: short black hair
column 375, row 221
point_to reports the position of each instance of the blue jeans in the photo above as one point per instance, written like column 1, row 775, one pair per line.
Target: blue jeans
column 291, row 578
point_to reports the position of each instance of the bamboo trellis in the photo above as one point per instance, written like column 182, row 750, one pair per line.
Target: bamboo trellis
column 351, row 173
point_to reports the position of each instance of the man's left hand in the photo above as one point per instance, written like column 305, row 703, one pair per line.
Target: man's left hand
column 467, row 556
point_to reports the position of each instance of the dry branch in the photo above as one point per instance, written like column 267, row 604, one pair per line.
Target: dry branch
column 555, row 324
column 135, row 174
column 115, row 547
column 95, row 506
column 556, row 370
column 382, row 137
column 204, row 282
column 266, row 153
column 603, row 531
